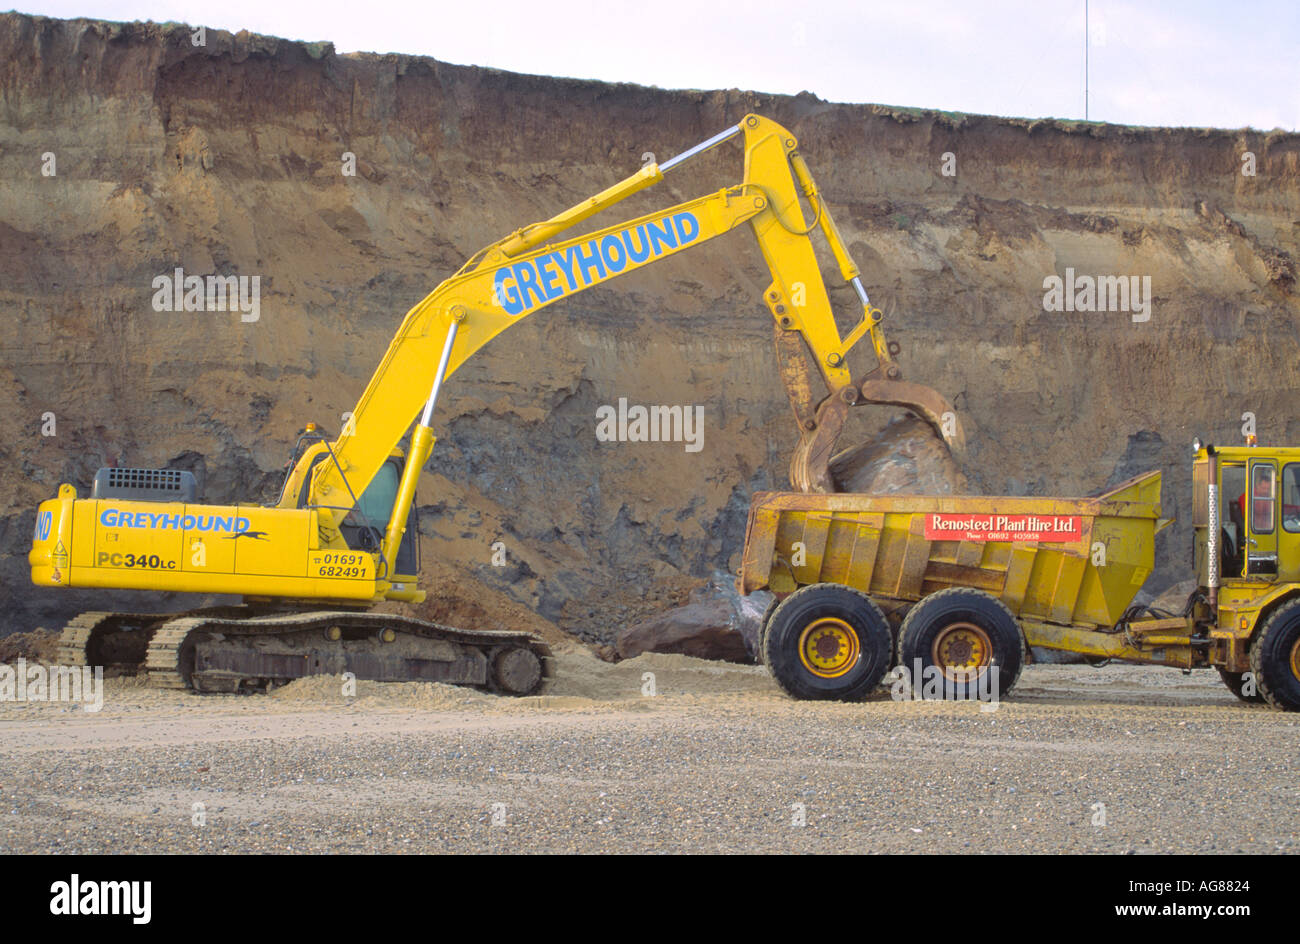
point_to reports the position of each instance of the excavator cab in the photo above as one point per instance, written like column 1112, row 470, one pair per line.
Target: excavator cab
column 364, row 526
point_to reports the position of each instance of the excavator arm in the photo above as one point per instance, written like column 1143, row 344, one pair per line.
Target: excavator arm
column 528, row 270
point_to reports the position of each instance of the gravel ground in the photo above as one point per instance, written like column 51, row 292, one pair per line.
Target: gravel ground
column 716, row 761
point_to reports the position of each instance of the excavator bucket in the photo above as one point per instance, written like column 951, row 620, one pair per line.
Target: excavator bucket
column 925, row 402
column 820, row 426
column 810, row 464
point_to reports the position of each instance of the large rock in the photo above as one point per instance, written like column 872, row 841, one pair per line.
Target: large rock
column 717, row 623
column 703, row 630
column 907, row 457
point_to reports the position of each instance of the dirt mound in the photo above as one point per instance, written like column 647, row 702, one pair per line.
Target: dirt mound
column 334, row 690
column 39, row 645
column 455, row 598
column 581, row 681
column 580, row 674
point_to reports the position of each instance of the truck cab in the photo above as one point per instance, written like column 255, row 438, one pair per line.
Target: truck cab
column 1246, row 516
column 1258, row 492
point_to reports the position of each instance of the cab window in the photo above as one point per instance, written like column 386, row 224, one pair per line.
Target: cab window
column 376, row 501
column 1291, row 497
column 1262, row 498
column 1232, row 494
column 1232, row 516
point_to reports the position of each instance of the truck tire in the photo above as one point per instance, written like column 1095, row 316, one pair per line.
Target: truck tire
column 1236, row 681
column 1275, row 658
column 827, row 641
column 965, row 634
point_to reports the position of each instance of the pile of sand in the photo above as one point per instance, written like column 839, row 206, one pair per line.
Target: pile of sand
column 581, row 681
column 330, row 690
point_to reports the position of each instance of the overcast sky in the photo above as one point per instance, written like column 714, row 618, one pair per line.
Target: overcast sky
column 1152, row 62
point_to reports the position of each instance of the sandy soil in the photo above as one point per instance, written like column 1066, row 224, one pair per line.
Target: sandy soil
column 717, row 760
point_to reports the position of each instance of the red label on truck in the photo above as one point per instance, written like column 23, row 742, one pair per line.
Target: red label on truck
column 943, row 526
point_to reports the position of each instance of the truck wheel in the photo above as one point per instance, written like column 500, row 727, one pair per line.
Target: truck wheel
column 1236, row 681
column 1275, row 658
column 965, row 635
column 827, row 641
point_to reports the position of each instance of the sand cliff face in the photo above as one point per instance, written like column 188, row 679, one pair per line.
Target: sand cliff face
column 226, row 159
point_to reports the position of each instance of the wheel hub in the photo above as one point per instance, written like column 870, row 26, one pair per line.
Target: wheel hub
column 829, row 647
column 962, row 651
column 1295, row 658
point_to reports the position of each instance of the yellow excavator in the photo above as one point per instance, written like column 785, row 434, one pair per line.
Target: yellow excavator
column 311, row 565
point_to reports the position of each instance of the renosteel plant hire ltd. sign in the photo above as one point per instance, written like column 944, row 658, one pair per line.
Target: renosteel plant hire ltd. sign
column 1057, row 529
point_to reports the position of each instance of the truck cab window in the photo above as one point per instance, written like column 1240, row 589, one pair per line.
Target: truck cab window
column 1291, row 497
column 1262, row 498
column 1232, row 517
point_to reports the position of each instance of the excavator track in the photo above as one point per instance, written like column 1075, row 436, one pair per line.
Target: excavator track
column 116, row 641
column 229, row 650
column 76, row 637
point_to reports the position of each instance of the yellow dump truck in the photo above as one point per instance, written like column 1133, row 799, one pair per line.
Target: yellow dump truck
column 958, row 587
